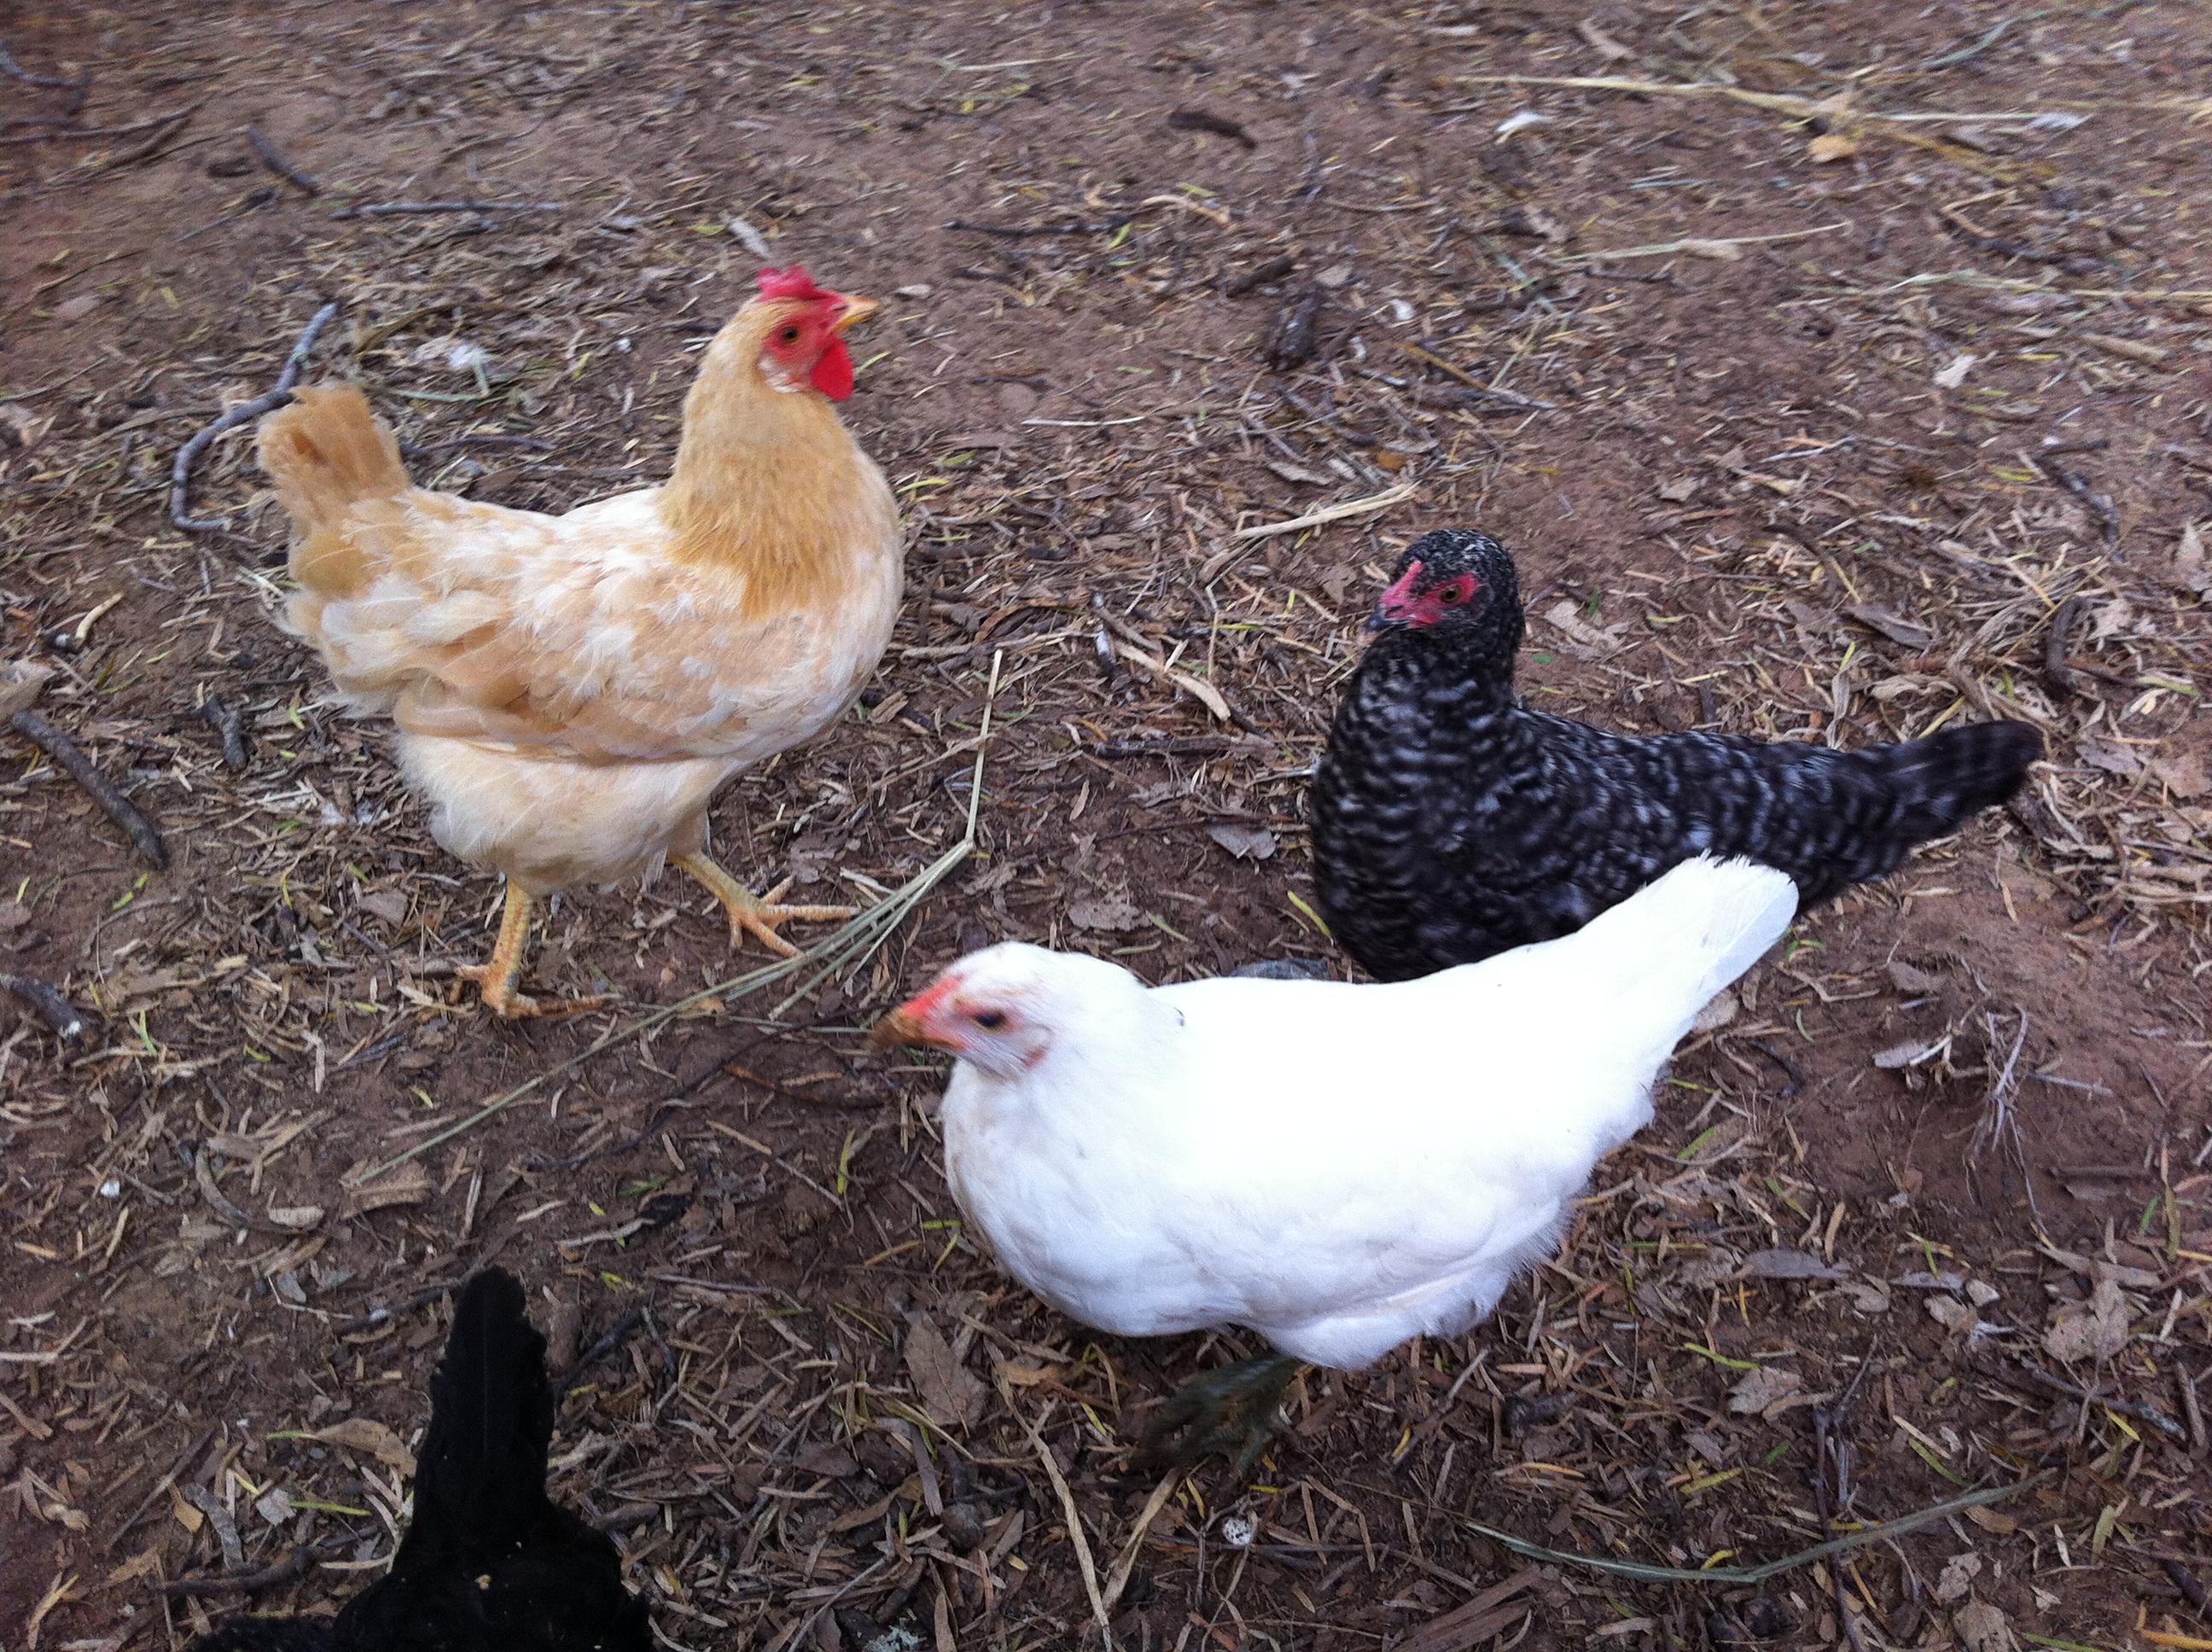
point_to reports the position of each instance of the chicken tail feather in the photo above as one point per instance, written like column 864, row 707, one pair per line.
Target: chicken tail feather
column 1667, row 950
column 327, row 454
column 480, row 1478
column 1942, row 779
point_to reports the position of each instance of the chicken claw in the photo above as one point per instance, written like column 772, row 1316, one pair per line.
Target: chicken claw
column 756, row 914
column 1234, row 1407
column 497, row 978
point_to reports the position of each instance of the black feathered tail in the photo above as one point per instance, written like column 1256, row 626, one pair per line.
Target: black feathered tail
column 1940, row 781
column 489, row 1563
column 480, row 1477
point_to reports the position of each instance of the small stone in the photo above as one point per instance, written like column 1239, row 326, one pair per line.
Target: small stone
column 963, row 1526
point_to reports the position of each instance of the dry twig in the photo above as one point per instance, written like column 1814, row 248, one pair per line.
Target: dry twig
column 180, row 473
column 103, row 791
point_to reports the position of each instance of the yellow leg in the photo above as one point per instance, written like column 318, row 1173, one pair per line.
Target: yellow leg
column 756, row 914
column 498, row 977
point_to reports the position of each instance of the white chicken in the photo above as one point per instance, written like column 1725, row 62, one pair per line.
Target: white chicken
column 1336, row 1167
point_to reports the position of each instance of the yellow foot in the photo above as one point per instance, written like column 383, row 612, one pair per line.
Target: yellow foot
column 497, row 978
column 501, row 999
column 756, row 914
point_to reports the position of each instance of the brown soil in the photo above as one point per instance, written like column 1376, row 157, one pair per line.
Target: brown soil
column 1805, row 476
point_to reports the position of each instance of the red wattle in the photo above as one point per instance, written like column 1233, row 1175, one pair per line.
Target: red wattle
column 833, row 372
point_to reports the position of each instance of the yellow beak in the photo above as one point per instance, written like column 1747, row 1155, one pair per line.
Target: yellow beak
column 899, row 1028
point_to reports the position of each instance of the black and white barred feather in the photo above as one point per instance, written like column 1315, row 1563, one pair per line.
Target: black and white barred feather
column 1450, row 823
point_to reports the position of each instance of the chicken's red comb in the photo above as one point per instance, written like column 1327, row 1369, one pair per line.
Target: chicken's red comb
column 794, row 282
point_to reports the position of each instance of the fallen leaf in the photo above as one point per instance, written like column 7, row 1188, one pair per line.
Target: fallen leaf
column 2097, row 1328
column 1586, row 642
column 75, row 309
column 1902, row 1055
column 1869, row 1296
column 823, row 1458
column 20, row 683
column 1831, row 146
column 1952, row 373
column 1907, row 979
column 1680, row 490
column 1112, row 913
column 1894, row 626
column 1950, row 1313
column 366, row 1434
column 1981, row 1628
column 1790, row 1264
column 2190, row 571
column 809, row 855
column 2112, row 619
column 1958, row 1578
column 274, row 1505
column 1723, row 1009
column 1025, row 1376
column 1245, row 842
column 2109, row 755
column 1762, row 1388
column 2183, row 775
column 950, row 1392
column 388, row 904
column 1990, row 1520
column 145, row 1563
column 1719, row 1263
column 298, row 1217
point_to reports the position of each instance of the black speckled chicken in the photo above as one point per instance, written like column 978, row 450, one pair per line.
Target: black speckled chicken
column 1450, row 822
column 489, row 1563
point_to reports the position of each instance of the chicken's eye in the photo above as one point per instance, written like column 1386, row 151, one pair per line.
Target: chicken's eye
column 989, row 1020
column 789, row 335
column 1450, row 594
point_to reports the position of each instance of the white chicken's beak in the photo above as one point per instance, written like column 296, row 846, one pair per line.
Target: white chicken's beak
column 913, row 1023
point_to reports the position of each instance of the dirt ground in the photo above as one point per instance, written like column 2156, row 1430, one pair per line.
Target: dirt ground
column 1835, row 371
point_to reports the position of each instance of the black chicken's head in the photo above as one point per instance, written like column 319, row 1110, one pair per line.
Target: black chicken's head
column 1456, row 584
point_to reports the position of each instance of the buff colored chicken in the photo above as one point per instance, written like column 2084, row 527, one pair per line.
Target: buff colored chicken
column 571, row 691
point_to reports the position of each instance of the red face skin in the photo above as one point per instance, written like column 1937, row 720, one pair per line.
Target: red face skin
column 805, row 342
column 805, row 339
column 1403, row 603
